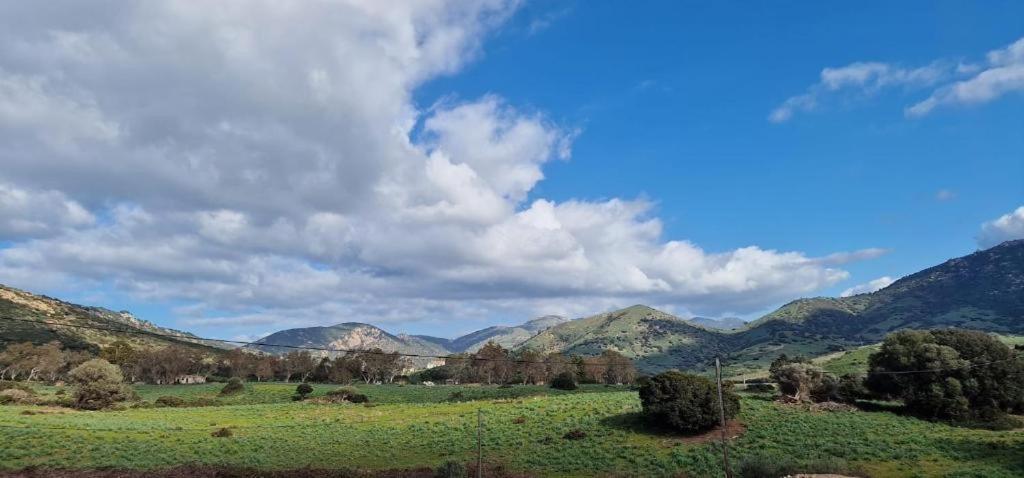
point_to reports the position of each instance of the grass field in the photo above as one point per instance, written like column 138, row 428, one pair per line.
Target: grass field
column 416, row 426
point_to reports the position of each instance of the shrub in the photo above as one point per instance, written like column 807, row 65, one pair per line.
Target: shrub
column 346, row 394
column 564, row 381
column 686, row 402
column 170, row 401
column 10, row 385
column 450, row 469
column 302, row 391
column 99, row 384
column 959, row 389
column 802, row 381
column 358, row 398
column 14, row 395
column 456, row 396
column 851, row 388
column 234, row 386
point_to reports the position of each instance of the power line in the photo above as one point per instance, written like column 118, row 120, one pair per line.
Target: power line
column 295, row 347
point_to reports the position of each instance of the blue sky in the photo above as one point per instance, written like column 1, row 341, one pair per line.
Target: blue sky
column 503, row 161
column 672, row 100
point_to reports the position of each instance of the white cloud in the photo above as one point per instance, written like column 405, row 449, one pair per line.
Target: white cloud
column 1007, row 227
column 1003, row 73
column 259, row 174
column 944, row 195
column 861, row 78
column 870, row 286
column 954, row 83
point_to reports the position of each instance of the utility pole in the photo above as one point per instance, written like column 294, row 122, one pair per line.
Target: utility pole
column 721, row 411
column 479, row 443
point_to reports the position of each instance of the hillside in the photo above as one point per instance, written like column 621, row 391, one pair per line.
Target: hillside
column 508, row 337
column 18, row 304
column 983, row 291
column 351, row 336
column 657, row 340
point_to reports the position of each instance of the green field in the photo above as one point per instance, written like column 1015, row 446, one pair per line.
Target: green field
column 414, row 426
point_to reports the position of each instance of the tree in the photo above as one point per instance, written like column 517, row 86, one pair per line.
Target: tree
column 122, row 354
column 594, row 370
column 530, row 366
column 686, row 402
column 491, row 363
column 968, row 375
column 98, row 384
column 783, row 360
column 554, row 364
column 297, row 363
column 620, row 369
column 800, row 381
column 264, row 367
column 303, row 391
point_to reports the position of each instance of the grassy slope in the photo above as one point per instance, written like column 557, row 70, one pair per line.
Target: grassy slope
column 408, row 428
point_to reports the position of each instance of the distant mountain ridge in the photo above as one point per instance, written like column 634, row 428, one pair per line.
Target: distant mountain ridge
column 725, row 323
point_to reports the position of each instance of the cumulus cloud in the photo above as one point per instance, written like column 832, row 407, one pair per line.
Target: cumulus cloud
column 953, row 83
column 1007, row 227
column 216, row 156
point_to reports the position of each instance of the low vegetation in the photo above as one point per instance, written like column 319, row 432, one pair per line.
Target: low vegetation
column 685, row 402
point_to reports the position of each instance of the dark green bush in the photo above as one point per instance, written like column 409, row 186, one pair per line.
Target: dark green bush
column 450, row 469
column 302, row 391
column 234, row 386
column 358, row 398
column 960, row 389
column 170, row 401
column 564, row 381
column 760, row 388
column 685, row 402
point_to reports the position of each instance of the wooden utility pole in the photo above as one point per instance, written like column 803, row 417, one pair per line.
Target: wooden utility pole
column 479, row 443
column 721, row 411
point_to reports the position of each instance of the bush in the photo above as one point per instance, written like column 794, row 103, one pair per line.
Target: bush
column 685, row 402
column 99, row 384
column 564, row 381
column 10, row 385
column 456, row 396
column 959, row 389
column 851, row 388
column 234, row 386
column 170, row 401
column 302, row 391
column 358, row 398
column 450, row 469
column 14, row 395
column 803, row 382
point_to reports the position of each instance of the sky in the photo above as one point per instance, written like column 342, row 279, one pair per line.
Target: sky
column 435, row 167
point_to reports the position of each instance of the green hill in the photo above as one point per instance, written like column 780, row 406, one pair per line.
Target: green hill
column 83, row 324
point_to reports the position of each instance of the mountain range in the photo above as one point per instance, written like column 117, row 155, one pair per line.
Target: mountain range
column 983, row 291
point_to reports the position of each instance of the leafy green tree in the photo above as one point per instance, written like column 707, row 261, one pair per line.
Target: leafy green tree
column 686, row 402
column 99, row 384
column 948, row 374
column 303, row 390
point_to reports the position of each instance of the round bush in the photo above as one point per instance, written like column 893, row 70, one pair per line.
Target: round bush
column 99, row 384
column 303, row 390
column 685, row 402
column 170, row 401
column 564, row 381
column 233, row 386
column 358, row 398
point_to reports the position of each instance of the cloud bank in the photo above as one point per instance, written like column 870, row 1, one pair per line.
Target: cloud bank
column 264, row 164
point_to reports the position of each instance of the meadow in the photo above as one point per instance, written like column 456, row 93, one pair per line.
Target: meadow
column 524, row 429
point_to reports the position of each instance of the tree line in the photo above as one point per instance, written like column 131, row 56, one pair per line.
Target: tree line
column 492, row 364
